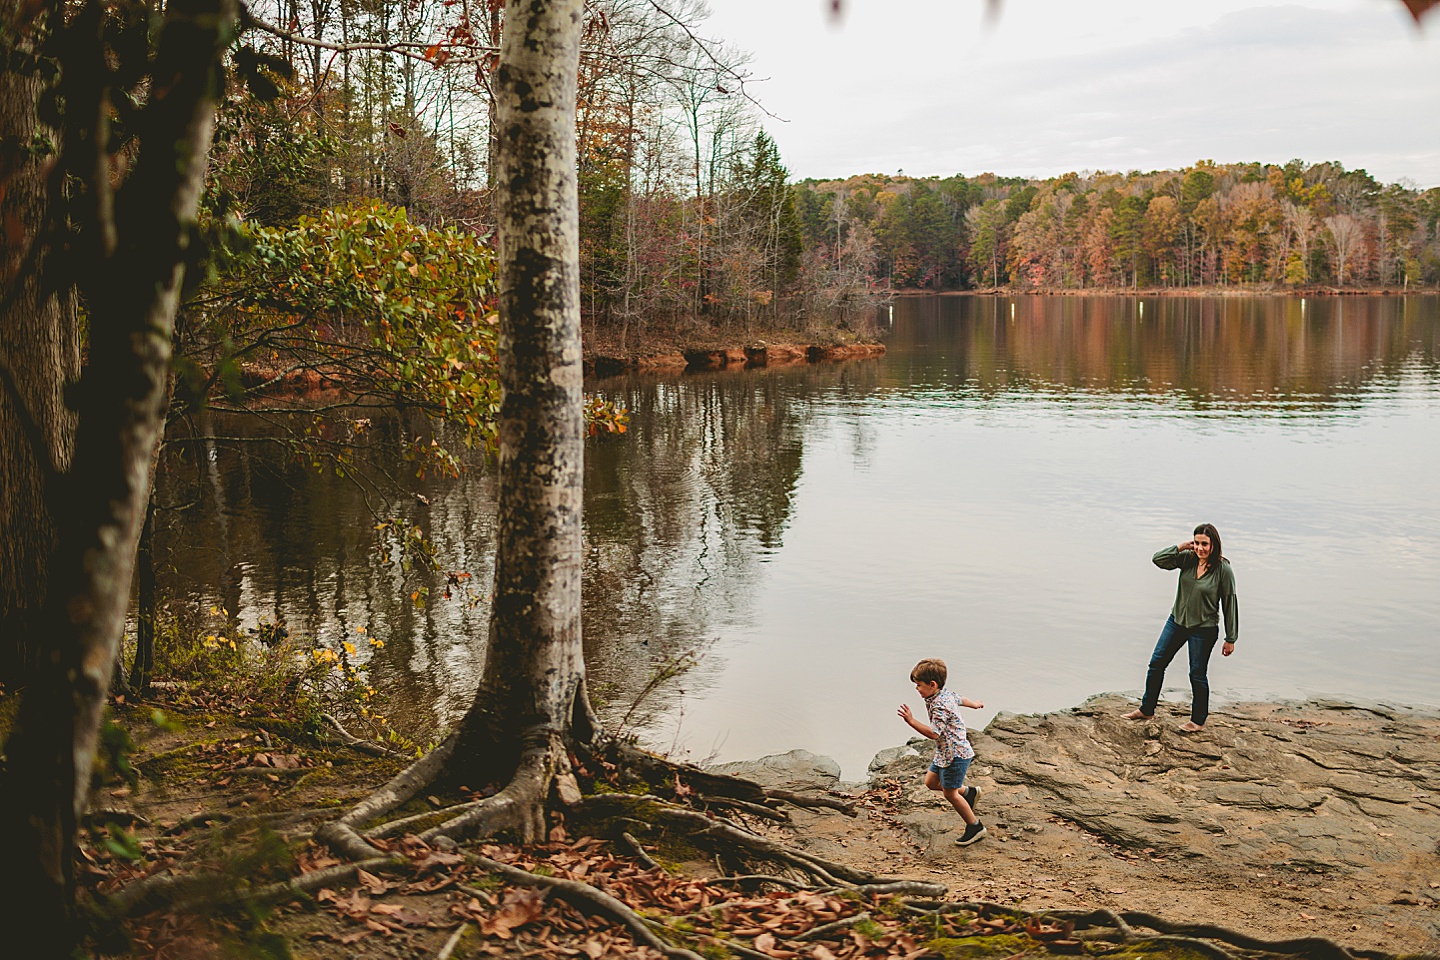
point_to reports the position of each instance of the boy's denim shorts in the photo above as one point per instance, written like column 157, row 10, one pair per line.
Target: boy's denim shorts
column 953, row 776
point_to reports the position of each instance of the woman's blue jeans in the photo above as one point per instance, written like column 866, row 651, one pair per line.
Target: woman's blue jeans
column 1200, row 640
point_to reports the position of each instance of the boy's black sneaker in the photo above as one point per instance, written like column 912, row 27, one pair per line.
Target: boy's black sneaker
column 972, row 795
column 973, row 831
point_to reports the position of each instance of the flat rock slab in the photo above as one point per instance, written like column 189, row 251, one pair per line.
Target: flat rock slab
column 798, row 770
column 1279, row 819
column 1269, row 780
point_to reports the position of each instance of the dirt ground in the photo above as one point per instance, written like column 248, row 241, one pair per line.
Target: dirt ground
column 263, row 793
column 1051, row 864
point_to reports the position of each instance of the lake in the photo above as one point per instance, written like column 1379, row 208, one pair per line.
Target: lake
column 989, row 492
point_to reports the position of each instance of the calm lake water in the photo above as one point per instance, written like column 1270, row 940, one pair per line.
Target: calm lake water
column 990, row 492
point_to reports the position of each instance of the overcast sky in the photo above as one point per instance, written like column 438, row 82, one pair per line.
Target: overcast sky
column 929, row 87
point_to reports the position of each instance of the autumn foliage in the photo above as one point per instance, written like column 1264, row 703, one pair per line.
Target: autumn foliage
column 1205, row 225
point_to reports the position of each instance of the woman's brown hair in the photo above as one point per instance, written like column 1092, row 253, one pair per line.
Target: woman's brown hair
column 1215, row 555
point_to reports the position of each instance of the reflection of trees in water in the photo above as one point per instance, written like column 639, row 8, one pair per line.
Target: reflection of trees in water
column 679, row 515
column 682, row 513
column 1238, row 352
column 267, row 536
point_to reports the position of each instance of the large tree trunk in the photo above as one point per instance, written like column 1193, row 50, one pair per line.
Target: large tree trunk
column 133, row 285
column 531, row 703
column 532, row 689
column 39, row 355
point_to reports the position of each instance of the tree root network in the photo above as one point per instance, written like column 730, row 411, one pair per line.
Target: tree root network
column 821, row 908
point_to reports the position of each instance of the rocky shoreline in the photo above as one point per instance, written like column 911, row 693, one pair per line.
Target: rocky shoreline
column 1316, row 818
column 721, row 358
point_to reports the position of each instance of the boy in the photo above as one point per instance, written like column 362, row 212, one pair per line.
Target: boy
column 953, row 752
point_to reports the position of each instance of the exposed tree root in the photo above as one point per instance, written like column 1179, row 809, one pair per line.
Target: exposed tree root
column 106, row 815
column 308, row 883
column 1196, row 946
column 921, row 898
column 736, row 947
column 657, row 770
column 885, row 888
column 759, row 878
column 1121, row 928
column 587, row 898
column 520, row 806
column 824, row 930
column 717, row 785
column 754, row 809
column 640, row 853
column 199, row 820
column 1316, row 947
column 813, row 800
column 454, row 941
column 391, row 828
column 827, row 872
column 341, row 836
column 270, row 773
column 355, row 743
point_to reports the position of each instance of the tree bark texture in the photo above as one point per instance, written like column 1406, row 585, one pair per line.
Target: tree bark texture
column 39, row 355
column 133, row 288
column 532, row 688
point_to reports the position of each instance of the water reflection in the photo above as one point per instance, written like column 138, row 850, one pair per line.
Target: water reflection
column 680, row 518
column 1224, row 355
column 989, row 492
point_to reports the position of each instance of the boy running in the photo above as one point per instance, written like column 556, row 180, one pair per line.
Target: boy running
column 953, row 752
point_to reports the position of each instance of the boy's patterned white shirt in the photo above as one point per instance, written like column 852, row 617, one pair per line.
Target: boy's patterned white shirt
column 945, row 720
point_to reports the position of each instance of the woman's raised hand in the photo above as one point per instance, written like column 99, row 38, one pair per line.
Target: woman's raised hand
column 1187, row 545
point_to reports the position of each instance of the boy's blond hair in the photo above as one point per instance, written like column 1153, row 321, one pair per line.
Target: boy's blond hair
column 929, row 670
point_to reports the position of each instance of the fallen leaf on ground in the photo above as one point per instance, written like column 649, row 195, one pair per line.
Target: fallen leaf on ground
column 520, row 906
column 370, row 882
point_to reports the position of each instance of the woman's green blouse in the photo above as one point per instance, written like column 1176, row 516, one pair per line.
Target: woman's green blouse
column 1199, row 600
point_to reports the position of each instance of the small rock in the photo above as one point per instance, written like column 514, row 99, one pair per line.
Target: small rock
column 889, row 755
column 446, row 844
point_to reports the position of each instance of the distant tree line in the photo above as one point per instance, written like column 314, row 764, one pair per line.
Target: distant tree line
column 688, row 217
column 1205, row 225
column 687, row 214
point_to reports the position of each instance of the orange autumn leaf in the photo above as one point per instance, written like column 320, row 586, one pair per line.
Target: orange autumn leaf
column 520, row 906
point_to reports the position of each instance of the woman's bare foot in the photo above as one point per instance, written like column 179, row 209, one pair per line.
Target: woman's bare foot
column 1137, row 715
column 1190, row 726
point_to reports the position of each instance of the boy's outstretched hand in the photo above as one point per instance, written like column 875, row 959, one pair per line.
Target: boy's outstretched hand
column 904, row 713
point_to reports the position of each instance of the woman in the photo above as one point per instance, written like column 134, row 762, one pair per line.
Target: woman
column 1207, row 587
